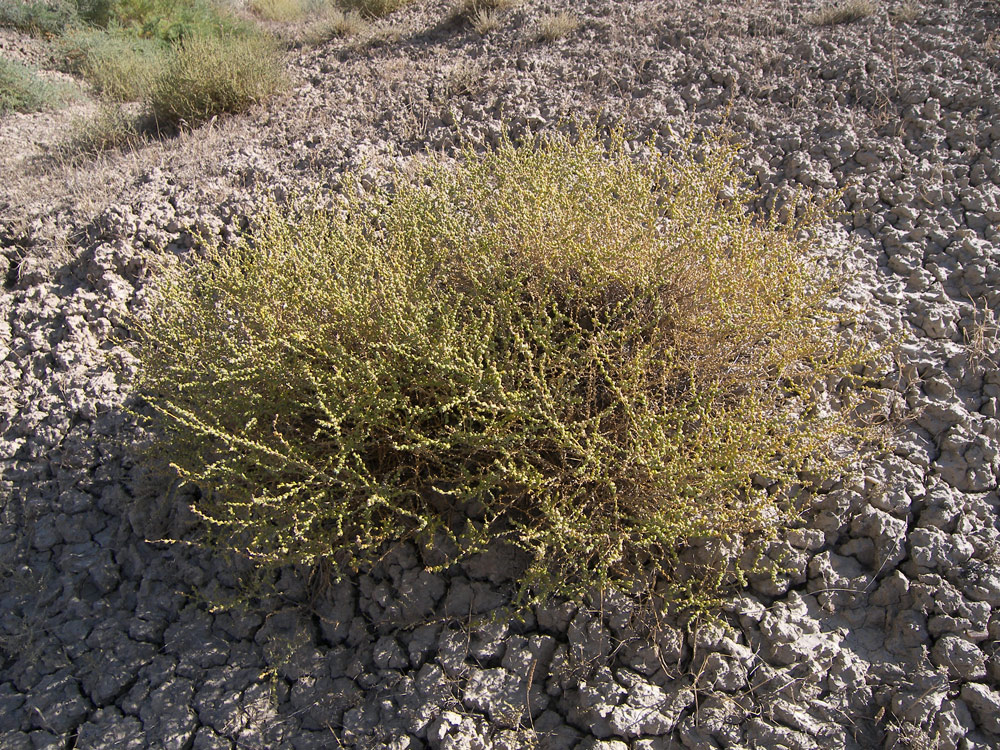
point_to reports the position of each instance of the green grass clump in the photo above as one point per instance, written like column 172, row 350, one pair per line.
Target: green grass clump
column 209, row 76
column 167, row 20
column 334, row 23
column 185, row 61
column 594, row 359
column 21, row 90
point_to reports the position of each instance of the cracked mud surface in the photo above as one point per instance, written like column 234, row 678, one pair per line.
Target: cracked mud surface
column 885, row 632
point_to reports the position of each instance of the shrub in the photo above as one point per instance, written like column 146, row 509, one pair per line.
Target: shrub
column 119, row 66
column 169, row 20
column 595, row 360
column 208, row 76
column 97, row 12
column 21, row 90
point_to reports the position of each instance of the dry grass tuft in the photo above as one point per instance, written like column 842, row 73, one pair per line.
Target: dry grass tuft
column 845, row 12
column 333, row 24
column 486, row 20
column 468, row 8
column 557, row 26
column 376, row 8
column 466, row 78
column 907, row 12
column 484, row 16
column 982, row 337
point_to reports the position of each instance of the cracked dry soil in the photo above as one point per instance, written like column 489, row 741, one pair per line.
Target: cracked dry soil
column 884, row 634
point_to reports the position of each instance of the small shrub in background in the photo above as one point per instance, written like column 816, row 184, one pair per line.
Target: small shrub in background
column 334, row 23
column 119, row 66
column 186, row 60
column 846, row 12
column 551, row 345
column 22, row 90
column 99, row 13
column 169, row 20
column 176, row 20
column 281, row 10
column 209, row 76
column 48, row 17
column 375, row 8
column 486, row 20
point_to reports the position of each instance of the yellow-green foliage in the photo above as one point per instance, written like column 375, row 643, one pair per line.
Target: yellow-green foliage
column 592, row 358
column 208, row 76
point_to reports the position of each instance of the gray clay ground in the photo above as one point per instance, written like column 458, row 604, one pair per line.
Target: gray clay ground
column 886, row 633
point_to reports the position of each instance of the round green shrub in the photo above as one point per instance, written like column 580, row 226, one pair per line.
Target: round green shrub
column 597, row 359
